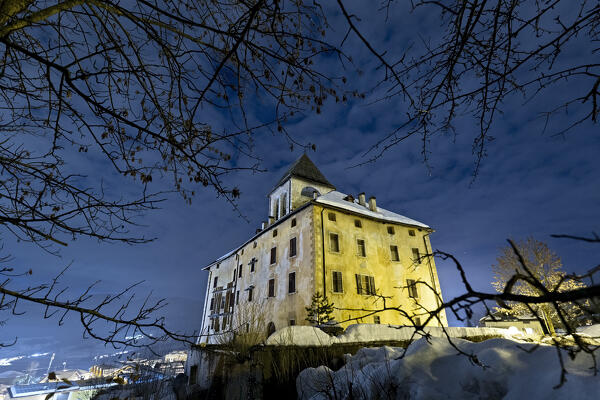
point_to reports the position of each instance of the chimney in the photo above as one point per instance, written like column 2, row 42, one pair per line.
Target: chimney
column 372, row 204
column 263, row 225
column 315, row 195
column 271, row 220
column 361, row 199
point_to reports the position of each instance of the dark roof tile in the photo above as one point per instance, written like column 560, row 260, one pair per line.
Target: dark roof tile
column 306, row 169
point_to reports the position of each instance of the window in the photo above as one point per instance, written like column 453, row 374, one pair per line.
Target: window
column 284, row 204
column 254, row 245
column 376, row 319
column 293, row 222
column 411, row 232
column 250, row 290
column 357, row 223
column 218, row 266
column 193, row 374
column 212, row 304
column 391, row 230
column 274, row 232
column 416, row 256
column 292, row 247
column 271, row 287
column 334, row 242
column 242, row 252
column 292, row 282
column 275, row 209
column 237, row 297
column 227, row 301
column 412, row 288
column 417, row 321
column 331, row 216
column 360, row 246
column 234, row 274
column 365, row 284
column 338, row 285
column 215, row 281
column 292, row 322
column 273, row 255
column 252, row 263
column 240, row 269
column 394, row 253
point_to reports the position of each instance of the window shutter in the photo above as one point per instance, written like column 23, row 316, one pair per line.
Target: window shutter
column 358, row 284
column 372, row 284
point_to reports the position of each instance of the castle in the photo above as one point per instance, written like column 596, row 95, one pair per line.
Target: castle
column 319, row 240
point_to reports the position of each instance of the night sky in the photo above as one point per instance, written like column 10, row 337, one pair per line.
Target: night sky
column 532, row 183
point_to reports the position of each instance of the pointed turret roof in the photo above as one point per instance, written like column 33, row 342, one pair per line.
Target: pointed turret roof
column 304, row 168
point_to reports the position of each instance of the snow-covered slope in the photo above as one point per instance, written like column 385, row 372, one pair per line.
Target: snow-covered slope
column 436, row 371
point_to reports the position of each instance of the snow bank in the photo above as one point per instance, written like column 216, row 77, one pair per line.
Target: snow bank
column 365, row 333
column 299, row 336
column 435, row 370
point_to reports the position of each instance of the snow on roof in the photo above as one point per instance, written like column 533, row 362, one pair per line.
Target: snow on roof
column 500, row 316
column 336, row 199
column 590, row 330
column 224, row 256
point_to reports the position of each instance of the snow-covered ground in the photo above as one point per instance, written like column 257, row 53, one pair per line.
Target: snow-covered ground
column 434, row 370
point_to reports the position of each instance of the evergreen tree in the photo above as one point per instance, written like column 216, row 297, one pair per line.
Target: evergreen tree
column 320, row 310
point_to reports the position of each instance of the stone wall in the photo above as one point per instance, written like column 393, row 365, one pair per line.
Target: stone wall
column 270, row 371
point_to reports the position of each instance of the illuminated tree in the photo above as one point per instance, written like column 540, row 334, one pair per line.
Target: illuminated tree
column 541, row 264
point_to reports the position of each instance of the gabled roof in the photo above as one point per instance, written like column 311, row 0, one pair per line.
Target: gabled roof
column 306, row 169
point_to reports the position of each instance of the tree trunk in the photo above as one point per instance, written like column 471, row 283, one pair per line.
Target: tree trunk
column 548, row 320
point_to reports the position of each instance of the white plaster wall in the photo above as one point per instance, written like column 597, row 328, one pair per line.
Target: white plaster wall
column 284, row 306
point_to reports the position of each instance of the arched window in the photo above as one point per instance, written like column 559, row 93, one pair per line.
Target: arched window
column 270, row 329
column 307, row 191
column 283, row 204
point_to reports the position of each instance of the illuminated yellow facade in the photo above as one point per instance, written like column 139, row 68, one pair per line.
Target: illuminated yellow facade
column 320, row 240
